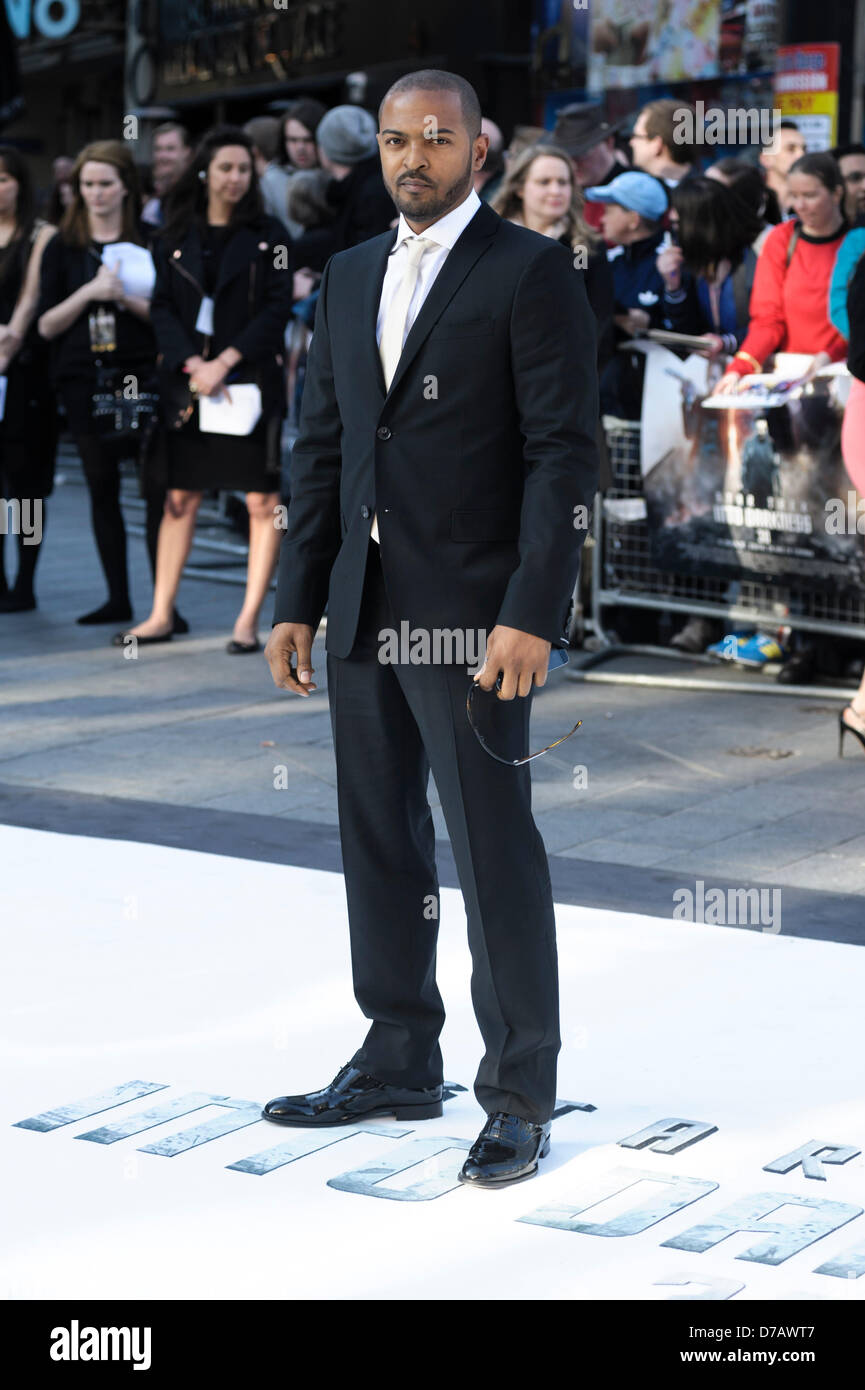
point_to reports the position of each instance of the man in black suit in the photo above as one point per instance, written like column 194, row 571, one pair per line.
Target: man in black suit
column 447, row 450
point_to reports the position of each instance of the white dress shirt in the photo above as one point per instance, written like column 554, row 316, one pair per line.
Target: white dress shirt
column 444, row 233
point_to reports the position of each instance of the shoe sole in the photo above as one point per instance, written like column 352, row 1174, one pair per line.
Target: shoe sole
column 399, row 1112
column 504, row 1182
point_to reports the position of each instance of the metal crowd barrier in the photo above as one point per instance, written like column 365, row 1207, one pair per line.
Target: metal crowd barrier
column 622, row 576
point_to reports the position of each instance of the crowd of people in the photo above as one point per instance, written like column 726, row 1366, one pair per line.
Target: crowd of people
column 200, row 274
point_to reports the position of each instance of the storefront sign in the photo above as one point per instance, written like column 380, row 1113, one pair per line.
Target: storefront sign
column 806, row 90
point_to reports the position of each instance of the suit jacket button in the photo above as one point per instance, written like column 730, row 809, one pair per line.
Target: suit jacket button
column 383, row 432
column 364, row 511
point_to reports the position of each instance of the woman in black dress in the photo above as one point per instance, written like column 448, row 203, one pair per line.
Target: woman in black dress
column 221, row 302
column 96, row 328
column 28, row 427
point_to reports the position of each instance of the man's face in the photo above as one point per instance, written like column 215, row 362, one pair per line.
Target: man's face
column 428, row 157
column 170, row 157
column 644, row 148
column 853, row 173
column 787, row 148
column 595, row 164
column 300, row 145
column 619, row 224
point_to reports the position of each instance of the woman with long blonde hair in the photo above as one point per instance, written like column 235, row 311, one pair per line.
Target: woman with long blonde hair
column 540, row 191
column 99, row 336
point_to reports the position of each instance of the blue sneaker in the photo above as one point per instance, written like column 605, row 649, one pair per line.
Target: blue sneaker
column 749, row 648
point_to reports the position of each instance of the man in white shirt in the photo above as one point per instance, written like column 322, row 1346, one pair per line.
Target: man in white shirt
column 448, row 440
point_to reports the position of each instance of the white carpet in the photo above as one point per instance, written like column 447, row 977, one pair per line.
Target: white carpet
column 204, row 974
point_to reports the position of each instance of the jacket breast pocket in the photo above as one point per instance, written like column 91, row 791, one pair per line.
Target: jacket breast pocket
column 464, row 328
column 485, row 524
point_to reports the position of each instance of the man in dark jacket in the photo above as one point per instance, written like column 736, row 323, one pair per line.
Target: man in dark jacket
column 348, row 149
column 634, row 207
column 441, row 482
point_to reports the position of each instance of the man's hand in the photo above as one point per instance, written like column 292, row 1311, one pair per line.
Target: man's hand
column 635, row 322
column 284, row 640
column 521, row 657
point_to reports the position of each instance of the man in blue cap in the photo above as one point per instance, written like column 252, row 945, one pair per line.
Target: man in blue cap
column 635, row 206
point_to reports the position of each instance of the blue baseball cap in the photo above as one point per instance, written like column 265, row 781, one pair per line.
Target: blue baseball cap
column 638, row 192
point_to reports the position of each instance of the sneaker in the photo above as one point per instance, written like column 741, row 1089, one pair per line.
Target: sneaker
column 749, row 648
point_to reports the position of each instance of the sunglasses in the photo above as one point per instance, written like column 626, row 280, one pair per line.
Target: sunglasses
column 477, row 697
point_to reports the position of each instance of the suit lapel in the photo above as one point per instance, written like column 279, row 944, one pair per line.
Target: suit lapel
column 469, row 246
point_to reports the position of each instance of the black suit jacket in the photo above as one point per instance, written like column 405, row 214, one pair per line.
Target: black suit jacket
column 475, row 459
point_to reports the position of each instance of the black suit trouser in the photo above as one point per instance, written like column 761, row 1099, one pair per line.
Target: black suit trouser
column 392, row 724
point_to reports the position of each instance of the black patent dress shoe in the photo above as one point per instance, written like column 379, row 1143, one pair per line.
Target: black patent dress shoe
column 506, row 1150
column 354, row 1095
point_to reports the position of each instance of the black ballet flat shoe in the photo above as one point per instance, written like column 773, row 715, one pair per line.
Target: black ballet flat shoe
column 354, row 1095
column 17, row 603
column 108, row 613
column 235, row 648
column 506, row 1151
column 123, row 639
column 181, row 626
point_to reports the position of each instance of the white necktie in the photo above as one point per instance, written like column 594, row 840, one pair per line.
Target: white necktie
column 393, row 329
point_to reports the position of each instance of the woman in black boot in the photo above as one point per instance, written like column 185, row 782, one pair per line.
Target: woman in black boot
column 96, row 328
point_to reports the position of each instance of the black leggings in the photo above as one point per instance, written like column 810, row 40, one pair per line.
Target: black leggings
column 100, row 460
column 27, row 555
column 101, row 463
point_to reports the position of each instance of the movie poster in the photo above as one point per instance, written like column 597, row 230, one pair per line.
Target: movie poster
column 757, row 489
column 633, row 42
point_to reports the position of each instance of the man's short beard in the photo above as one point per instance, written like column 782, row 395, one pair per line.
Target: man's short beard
column 435, row 206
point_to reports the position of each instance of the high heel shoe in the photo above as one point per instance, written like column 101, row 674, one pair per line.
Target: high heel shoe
column 845, row 728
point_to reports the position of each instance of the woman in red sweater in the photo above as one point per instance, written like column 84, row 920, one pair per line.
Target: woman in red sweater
column 790, row 298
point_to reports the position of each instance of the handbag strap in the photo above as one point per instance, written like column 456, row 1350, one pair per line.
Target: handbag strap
column 792, row 244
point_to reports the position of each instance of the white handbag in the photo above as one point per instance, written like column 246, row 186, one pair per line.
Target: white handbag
column 239, row 415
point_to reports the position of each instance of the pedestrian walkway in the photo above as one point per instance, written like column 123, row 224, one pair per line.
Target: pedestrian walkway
column 186, row 745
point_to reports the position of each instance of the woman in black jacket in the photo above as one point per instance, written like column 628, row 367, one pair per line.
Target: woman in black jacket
column 95, row 329
column 221, row 302
column 28, row 421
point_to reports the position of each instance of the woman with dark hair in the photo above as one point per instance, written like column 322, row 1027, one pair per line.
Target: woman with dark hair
column 790, row 310
column 28, row 418
column 748, row 183
column 715, row 230
column 221, row 302
column 790, row 299
column 100, row 337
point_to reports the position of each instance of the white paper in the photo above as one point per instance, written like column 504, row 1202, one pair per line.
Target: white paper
column 204, row 322
column 136, row 270
column 217, row 416
column 3, row 383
